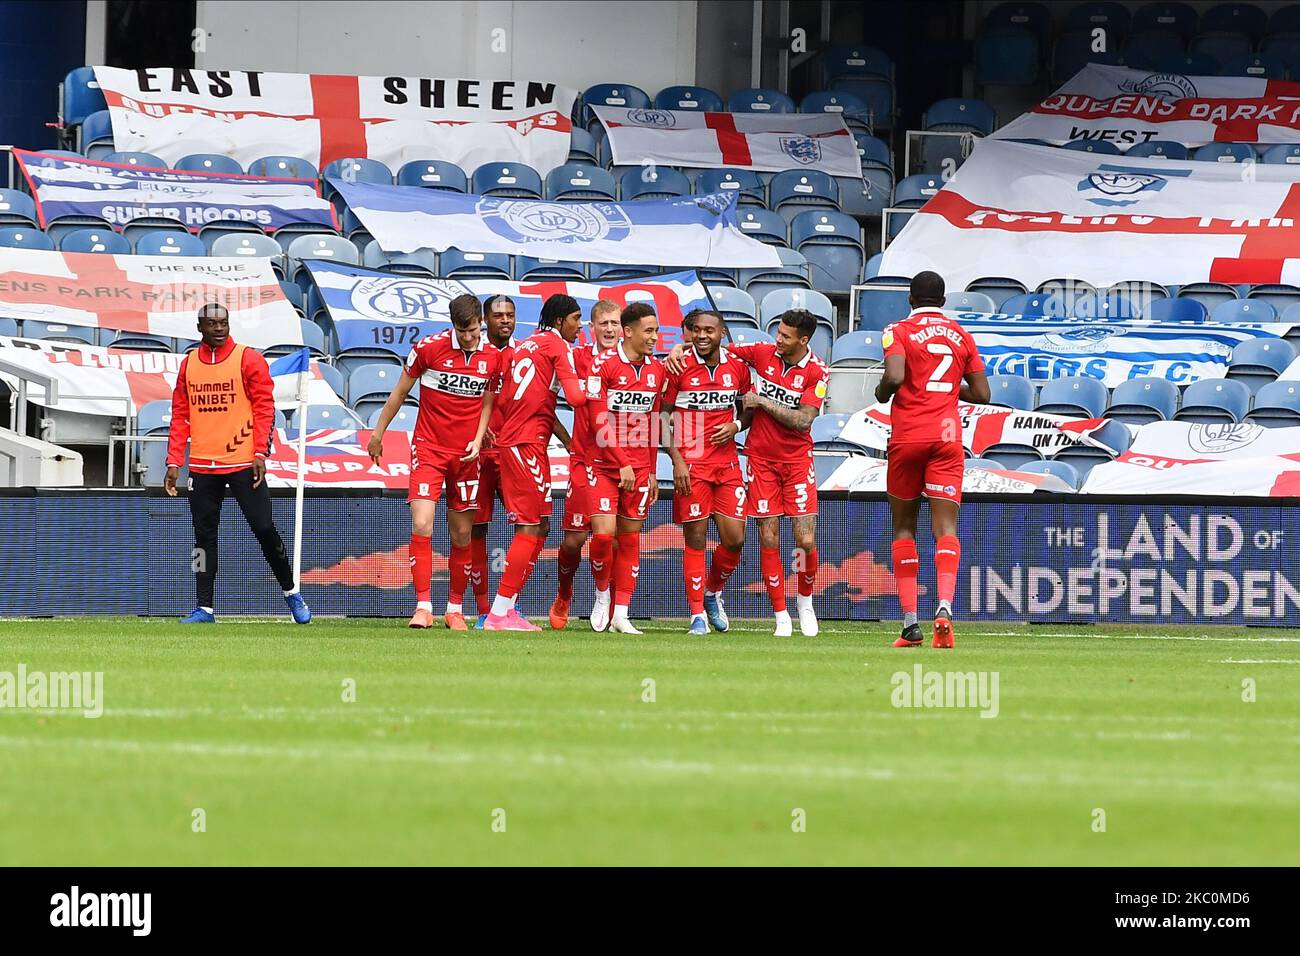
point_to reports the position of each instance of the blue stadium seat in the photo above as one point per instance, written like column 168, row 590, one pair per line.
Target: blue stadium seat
column 1098, row 146
column 9, row 327
column 1280, row 297
column 874, row 152
column 209, row 163
column 1011, row 455
column 433, row 174
column 1073, row 51
column 294, row 294
column 743, row 322
column 22, row 237
column 1259, row 361
column 825, row 432
column 1263, row 65
column 988, row 464
column 758, row 100
column 421, row 262
column 489, row 265
column 355, row 170
column 912, row 192
column 743, row 336
column 733, row 303
column 1028, row 303
column 1284, row 21
column 582, row 147
column 1144, row 50
column 850, row 106
column 81, row 96
column 653, row 182
column 373, row 381
column 608, row 272
column 1111, row 17
column 859, row 60
column 878, row 307
column 1178, row 19
column 969, row 302
column 1012, row 391
column 321, row 417
column 1057, row 468
column 17, row 208
column 779, row 301
column 97, row 135
column 531, row 269
column 1282, row 153
column 1214, row 400
column 1083, row 458
column 213, row 231
column 696, row 98
column 1034, row 18
column 1277, row 405
column 857, row 349
column 320, row 246
column 154, row 418
column 748, row 185
column 95, row 240
column 1283, row 37
column 610, row 94
column 850, row 387
column 580, row 181
column 1007, row 57
column 403, row 421
column 1244, row 19
column 507, row 179
column 1244, row 310
column 140, row 342
column 142, row 225
column 763, row 225
column 169, row 244
column 283, row 167
column 249, row 245
column 1075, row 395
column 337, row 379
column 877, row 96
column 1209, row 294
column 832, row 244
column 143, row 160
column 1105, row 305
column 998, row 288
column 954, row 115
column 1159, row 149
column 1190, row 64
column 1225, row 153
column 1177, row 310
column 1142, row 400
column 792, row 272
column 58, row 332
column 313, row 336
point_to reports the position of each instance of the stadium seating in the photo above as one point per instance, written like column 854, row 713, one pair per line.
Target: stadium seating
column 1256, row 362
column 454, row 264
column 1177, row 310
column 421, row 262
column 1073, row 51
column 1282, row 153
column 987, row 464
column 356, row 170
column 17, row 209
column 763, row 225
column 1214, row 400
column 854, row 110
column 312, row 336
column 1159, row 149
column 24, row 238
column 825, row 434
column 1058, row 468
column 154, row 418
column 795, row 191
column 832, row 244
column 433, row 174
column 1082, row 458
column 1264, row 65
column 743, row 336
column 1093, row 146
column 749, row 187
column 284, row 167
column 369, row 386
column 144, row 160
column 582, row 147
column 1196, row 63
column 696, row 98
column 581, row 182
column 1008, row 49
column 533, row 270
column 169, row 244
column 1011, row 455
column 328, row 417
column 857, row 350
column 1027, row 303
column 1277, row 405
column 1142, row 400
column 209, row 163
column 1013, row 391
column 733, row 303
column 999, row 290
column 8, row 327
column 95, row 240
column 779, row 301
column 760, row 101
column 58, row 332
column 610, row 94
column 877, row 308
column 969, row 302
column 1280, row 297
column 1209, row 294
column 97, row 135
column 1225, row 153
column 653, row 182
column 1077, row 396
column 81, row 96
column 955, row 115
column 403, row 421
column 1105, row 305
column 516, row 180
column 251, row 245
column 1244, row 310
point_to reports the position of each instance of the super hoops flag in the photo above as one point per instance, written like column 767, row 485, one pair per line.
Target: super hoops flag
column 1035, row 213
column 1116, row 104
column 321, row 118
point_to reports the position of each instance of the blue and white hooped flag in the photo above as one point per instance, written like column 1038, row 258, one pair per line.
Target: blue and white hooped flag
column 297, row 379
column 690, row 232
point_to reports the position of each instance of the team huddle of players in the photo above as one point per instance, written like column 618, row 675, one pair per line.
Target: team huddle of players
column 487, row 412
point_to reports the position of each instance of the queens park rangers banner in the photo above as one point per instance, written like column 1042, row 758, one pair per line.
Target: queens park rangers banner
column 157, row 295
column 321, row 118
column 381, row 310
column 691, row 232
column 1120, row 105
column 1036, row 213
column 118, row 193
column 763, row 141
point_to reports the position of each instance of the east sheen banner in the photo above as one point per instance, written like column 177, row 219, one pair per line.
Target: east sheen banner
column 1182, row 458
column 769, row 142
column 321, row 118
column 372, row 309
column 1036, row 213
column 688, row 232
column 157, row 295
column 1117, row 104
column 118, row 194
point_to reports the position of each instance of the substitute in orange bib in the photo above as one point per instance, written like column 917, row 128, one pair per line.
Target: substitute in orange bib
column 224, row 406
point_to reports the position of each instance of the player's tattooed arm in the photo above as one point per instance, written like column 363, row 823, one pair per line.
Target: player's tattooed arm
column 892, row 380
column 797, row 419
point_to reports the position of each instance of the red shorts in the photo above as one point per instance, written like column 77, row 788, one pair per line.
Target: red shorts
column 489, row 485
column 781, row 488
column 605, row 498
column 428, row 475
column 577, row 503
column 525, row 483
column 934, row 469
column 715, row 490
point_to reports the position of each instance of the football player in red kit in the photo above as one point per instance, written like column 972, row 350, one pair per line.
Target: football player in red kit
column 625, row 387
column 605, row 330
column 930, row 363
column 542, row 365
column 454, row 369
column 700, row 404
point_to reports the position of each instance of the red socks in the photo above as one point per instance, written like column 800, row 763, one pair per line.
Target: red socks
column 773, row 577
column 905, row 568
column 460, row 566
column 519, row 562
column 808, row 575
column 947, row 557
column 602, row 560
column 693, row 570
column 569, row 561
column 723, row 563
column 478, row 574
column 627, row 563
column 421, row 551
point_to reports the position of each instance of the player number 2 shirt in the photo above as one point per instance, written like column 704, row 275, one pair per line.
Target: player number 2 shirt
column 938, row 353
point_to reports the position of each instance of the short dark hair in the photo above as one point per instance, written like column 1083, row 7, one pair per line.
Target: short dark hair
column 492, row 300
column 465, row 311
column 688, row 320
column 555, row 308
column 927, row 287
column 214, row 306
column 635, row 312
column 801, row 320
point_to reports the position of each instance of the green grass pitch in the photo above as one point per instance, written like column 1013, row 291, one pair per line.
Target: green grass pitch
column 515, row 749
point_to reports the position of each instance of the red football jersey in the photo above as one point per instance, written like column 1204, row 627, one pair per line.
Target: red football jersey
column 705, row 397
column 496, row 387
column 938, row 353
column 584, row 357
column 803, row 383
column 452, row 385
column 542, row 364
column 626, row 397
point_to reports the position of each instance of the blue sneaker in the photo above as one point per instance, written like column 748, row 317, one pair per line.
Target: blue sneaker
column 199, row 616
column 298, row 608
column 699, row 626
column 478, row 625
column 717, row 615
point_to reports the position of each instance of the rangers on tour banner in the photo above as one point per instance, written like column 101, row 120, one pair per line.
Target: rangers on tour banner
column 1036, row 213
column 1116, row 104
column 118, row 193
column 321, row 118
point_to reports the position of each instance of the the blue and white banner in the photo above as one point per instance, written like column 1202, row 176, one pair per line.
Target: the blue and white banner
column 381, row 310
column 117, row 193
column 690, row 232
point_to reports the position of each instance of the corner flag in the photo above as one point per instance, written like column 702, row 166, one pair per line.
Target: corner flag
column 289, row 375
